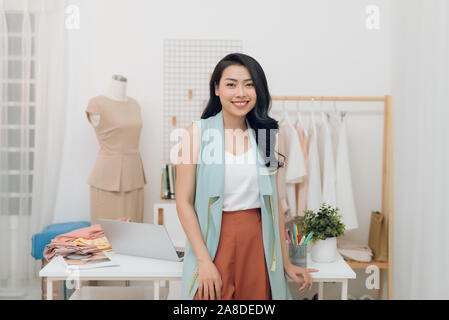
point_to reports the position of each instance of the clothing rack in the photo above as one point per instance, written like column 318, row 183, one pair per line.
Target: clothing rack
column 387, row 176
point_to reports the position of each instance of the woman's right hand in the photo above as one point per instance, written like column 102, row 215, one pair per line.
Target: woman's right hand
column 209, row 281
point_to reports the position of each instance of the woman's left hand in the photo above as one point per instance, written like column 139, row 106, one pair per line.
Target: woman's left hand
column 292, row 271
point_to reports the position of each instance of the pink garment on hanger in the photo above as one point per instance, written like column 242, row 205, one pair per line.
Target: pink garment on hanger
column 302, row 187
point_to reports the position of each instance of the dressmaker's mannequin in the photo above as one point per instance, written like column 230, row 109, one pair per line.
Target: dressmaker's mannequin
column 117, row 178
column 116, row 90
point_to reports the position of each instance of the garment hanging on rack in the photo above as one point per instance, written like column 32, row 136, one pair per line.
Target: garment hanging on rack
column 334, row 121
column 335, row 188
column 344, row 194
column 314, row 190
column 329, row 194
column 321, row 142
column 294, row 169
column 302, row 187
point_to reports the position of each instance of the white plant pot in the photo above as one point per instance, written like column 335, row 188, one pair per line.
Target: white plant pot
column 324, row 251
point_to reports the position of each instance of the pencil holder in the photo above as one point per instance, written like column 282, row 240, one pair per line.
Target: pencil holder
column 298, row 255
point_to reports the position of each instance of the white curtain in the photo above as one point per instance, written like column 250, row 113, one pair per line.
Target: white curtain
column 421, row 149
column 32, row 116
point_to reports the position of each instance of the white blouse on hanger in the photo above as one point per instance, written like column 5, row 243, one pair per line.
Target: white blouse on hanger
column 294, row 168
column 345, row 196
column 329, row 194
column 314, row 191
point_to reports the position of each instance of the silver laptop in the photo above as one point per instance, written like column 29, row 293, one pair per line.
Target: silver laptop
column 140, row 239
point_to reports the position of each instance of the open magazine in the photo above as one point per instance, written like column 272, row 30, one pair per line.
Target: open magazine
column 96, row 260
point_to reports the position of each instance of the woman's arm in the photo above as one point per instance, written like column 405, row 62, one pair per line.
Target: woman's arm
column 185, row 191
column 209, row 279
column 290, row 269
column 285, row 258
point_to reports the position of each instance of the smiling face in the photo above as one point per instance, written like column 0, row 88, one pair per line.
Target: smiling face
column 236, row 91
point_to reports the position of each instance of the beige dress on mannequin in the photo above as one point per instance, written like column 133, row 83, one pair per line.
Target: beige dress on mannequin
column 117, row 179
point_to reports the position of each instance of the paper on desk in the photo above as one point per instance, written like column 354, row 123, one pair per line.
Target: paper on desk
column 91, row 264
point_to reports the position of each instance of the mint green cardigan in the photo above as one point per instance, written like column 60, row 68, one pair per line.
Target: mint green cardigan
column 209, row 203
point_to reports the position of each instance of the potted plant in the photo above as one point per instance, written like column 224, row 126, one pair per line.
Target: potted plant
column 326, row 226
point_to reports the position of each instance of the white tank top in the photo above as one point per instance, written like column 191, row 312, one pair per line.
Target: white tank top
column 241, row 186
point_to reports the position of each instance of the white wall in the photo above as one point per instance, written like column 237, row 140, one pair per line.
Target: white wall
column 421, row 149
column 305, row 47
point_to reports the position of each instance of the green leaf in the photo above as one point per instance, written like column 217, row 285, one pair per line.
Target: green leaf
column 325, row 223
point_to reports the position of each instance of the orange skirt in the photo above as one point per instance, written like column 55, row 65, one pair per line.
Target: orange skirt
column 240, row 257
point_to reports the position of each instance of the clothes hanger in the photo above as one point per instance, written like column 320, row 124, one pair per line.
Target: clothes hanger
column 342, row 115
column 330, row 113
column 286, row 116
column 301, row 123
column 322, row 112
column 284, row 113
column 337, row 113
column 313, row 118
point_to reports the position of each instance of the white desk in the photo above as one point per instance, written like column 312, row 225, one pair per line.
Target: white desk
column 131, row 268
column 337, row 271
column 137, row 268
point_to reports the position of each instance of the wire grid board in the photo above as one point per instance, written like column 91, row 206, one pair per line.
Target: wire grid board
column 188, row 66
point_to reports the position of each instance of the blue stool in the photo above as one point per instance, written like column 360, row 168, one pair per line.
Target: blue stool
column 40, row 240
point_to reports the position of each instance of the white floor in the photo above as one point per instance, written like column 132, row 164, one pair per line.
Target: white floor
column 33, row 292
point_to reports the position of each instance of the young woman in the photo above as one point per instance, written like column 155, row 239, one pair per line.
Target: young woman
column 226, row 193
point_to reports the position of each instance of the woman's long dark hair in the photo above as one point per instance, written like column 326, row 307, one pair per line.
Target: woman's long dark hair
column 258, row 117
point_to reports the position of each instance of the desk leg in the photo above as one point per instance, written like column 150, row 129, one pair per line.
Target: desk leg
column 156, row 289
column 344, row 290
column 49, row 289
column 320, row 290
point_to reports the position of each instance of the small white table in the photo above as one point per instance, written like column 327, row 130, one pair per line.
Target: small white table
column 131, row 268
column 337, row 271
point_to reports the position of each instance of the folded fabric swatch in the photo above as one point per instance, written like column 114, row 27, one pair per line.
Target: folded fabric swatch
column 92, row 232
column 101, row 243
column 354, row 251
column 64, row 249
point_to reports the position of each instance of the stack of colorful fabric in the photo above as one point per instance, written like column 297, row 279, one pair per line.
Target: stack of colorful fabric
column 79, row 241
